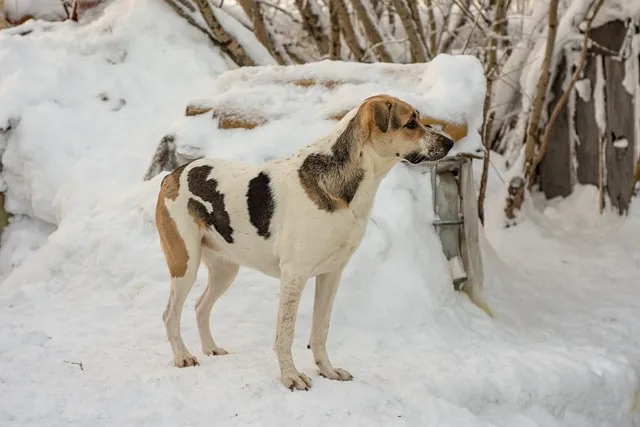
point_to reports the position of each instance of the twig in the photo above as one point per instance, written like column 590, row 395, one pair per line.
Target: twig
column 541, row 92
column 75, row 363
column 475, row 23
column 283, row 10
column 384, row 42
column 563, row 99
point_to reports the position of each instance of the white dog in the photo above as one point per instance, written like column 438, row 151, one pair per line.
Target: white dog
column 293, row 218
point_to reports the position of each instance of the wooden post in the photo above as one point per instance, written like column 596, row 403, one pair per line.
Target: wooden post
column 457, row 224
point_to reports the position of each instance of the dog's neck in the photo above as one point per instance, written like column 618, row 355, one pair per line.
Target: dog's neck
column 343, row 170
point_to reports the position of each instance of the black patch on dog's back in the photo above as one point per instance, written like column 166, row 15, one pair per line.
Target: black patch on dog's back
column 207, row 189
column 340, row 178
column 261, row 203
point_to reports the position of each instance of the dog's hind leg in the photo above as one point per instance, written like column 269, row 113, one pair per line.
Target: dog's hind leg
column 326, row 288
column 221, row 275
column 180, row 238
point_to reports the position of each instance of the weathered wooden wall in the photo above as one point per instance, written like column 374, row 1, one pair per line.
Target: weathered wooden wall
column 555, row 177
column 557, row 171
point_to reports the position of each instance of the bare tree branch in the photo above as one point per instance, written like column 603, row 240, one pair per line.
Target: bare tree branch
column 541, row 93
column 416, row 45
column 313, row 24
column 334, row 31
column 260, row 30
column 371, row 30
column 346, row 28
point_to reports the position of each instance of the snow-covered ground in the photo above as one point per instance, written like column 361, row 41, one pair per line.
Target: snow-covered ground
column 83, row 278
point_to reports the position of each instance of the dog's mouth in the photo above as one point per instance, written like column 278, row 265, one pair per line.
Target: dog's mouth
column 417, row 158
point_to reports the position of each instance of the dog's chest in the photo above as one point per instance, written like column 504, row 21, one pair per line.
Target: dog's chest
column 334, row 244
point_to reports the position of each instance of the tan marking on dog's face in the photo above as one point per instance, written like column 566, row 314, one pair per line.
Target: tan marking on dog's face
column 173, row 246
column 395, row 130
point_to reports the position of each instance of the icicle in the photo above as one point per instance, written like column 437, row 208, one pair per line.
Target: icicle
column 599, row 96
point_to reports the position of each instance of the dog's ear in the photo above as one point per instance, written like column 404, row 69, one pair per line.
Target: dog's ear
column 381, row 109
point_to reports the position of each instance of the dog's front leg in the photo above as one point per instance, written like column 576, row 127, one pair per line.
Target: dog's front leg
column 291, row 288
column 326, row 288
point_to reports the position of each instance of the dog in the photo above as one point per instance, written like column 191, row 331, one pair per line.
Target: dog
column 291, row 218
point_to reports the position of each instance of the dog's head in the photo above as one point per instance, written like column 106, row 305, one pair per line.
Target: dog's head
column 394, row 130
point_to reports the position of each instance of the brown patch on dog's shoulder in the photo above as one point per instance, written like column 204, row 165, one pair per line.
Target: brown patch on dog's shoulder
column 332, row 180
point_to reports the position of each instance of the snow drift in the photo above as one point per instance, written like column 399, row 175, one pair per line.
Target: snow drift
column 84, row 280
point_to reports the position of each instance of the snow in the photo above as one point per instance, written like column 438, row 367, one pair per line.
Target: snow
column 621, row 143
column 245, row 37
column 448, row 88
column 16, row 10
column 599, row 97
column 583, row 87
column 84, row 279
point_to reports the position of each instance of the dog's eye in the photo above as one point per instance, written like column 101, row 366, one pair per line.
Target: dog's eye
column 412, row 124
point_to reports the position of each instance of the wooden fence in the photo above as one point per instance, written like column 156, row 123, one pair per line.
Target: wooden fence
column 578, row 151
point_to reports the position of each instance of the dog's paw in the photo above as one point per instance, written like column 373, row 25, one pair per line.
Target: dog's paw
column 184, row 361
column 215, row 351
column 296, row 380
column 336, row 374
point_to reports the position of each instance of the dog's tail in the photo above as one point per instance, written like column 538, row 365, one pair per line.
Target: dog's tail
column 164, row 159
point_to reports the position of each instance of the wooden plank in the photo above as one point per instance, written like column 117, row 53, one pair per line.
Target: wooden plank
column 556, row 167
column 608, row 38
column 620, row 160
column 587, row 130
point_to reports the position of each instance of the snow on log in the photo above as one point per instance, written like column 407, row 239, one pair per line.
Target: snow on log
column 449, row 94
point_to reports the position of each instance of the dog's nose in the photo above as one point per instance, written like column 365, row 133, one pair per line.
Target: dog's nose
column 448, row 144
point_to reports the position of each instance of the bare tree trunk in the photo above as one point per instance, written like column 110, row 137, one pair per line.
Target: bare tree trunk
column 444, row 44
column 347, row 30
column 415, row 16
column 540, row 95
column 415, row 42
column 216, row 33
column 491, row 71
column 371, row 31
column 261, row 32
column 313, row 24
column 334, row 31
column 431, row 21
column 247, row 6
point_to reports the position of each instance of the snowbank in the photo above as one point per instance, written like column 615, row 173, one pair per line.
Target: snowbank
column 449, row 88
column 19, row 10
column 87, row 94
column 562, row 350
